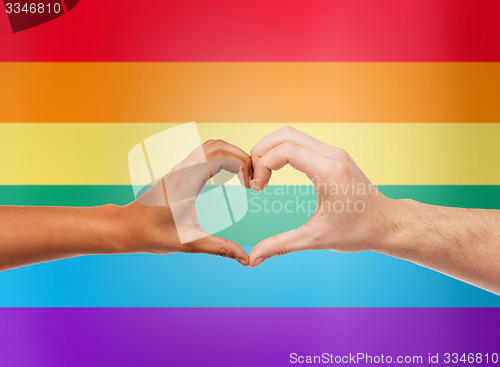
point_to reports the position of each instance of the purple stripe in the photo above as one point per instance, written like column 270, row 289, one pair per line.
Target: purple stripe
column 235, row 336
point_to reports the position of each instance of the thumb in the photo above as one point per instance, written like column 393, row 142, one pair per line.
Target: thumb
column 281, row 244
column 213, row 245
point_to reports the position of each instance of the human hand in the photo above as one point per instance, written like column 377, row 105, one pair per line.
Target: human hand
column 165, row 218
column 350, row 212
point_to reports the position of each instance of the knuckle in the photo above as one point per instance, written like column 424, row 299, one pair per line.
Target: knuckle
column 247, row 160
column 223, row 252
column 218, row 143
column 342, row 170
column 338, row 169
column 280, row 250
column 254, row 153
column 287, row 130
column 342, row 154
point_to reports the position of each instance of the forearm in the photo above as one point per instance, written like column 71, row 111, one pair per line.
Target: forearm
column 35, row 234
column 463, row 243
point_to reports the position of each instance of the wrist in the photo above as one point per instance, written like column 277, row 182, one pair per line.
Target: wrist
column 147, row 229
column 118, row 233
column 395, row 230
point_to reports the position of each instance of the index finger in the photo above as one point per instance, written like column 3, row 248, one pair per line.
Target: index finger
column 299, row 157
column 220, row 150
column 292, row 135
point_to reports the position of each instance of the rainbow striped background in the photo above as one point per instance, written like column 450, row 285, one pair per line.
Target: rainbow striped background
column 410, row 89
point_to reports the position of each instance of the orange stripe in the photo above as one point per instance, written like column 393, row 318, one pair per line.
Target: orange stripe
column 250, row 92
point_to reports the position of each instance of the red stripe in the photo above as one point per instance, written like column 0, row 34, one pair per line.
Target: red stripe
column 263, row 30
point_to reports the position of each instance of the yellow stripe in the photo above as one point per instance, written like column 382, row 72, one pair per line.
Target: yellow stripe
column 398, row 154
column 250, row 92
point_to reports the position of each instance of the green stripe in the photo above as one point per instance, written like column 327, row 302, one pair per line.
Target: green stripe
column 268, row 223
column 470, row 196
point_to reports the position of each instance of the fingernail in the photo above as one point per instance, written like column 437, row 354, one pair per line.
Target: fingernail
column 258, row 261
column 251, row 183
column 242, row 261
column 256, row 185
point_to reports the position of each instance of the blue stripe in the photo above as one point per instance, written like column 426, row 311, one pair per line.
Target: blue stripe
column 308, row 279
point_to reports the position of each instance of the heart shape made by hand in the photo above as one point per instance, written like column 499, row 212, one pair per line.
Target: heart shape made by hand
column 348, row 204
